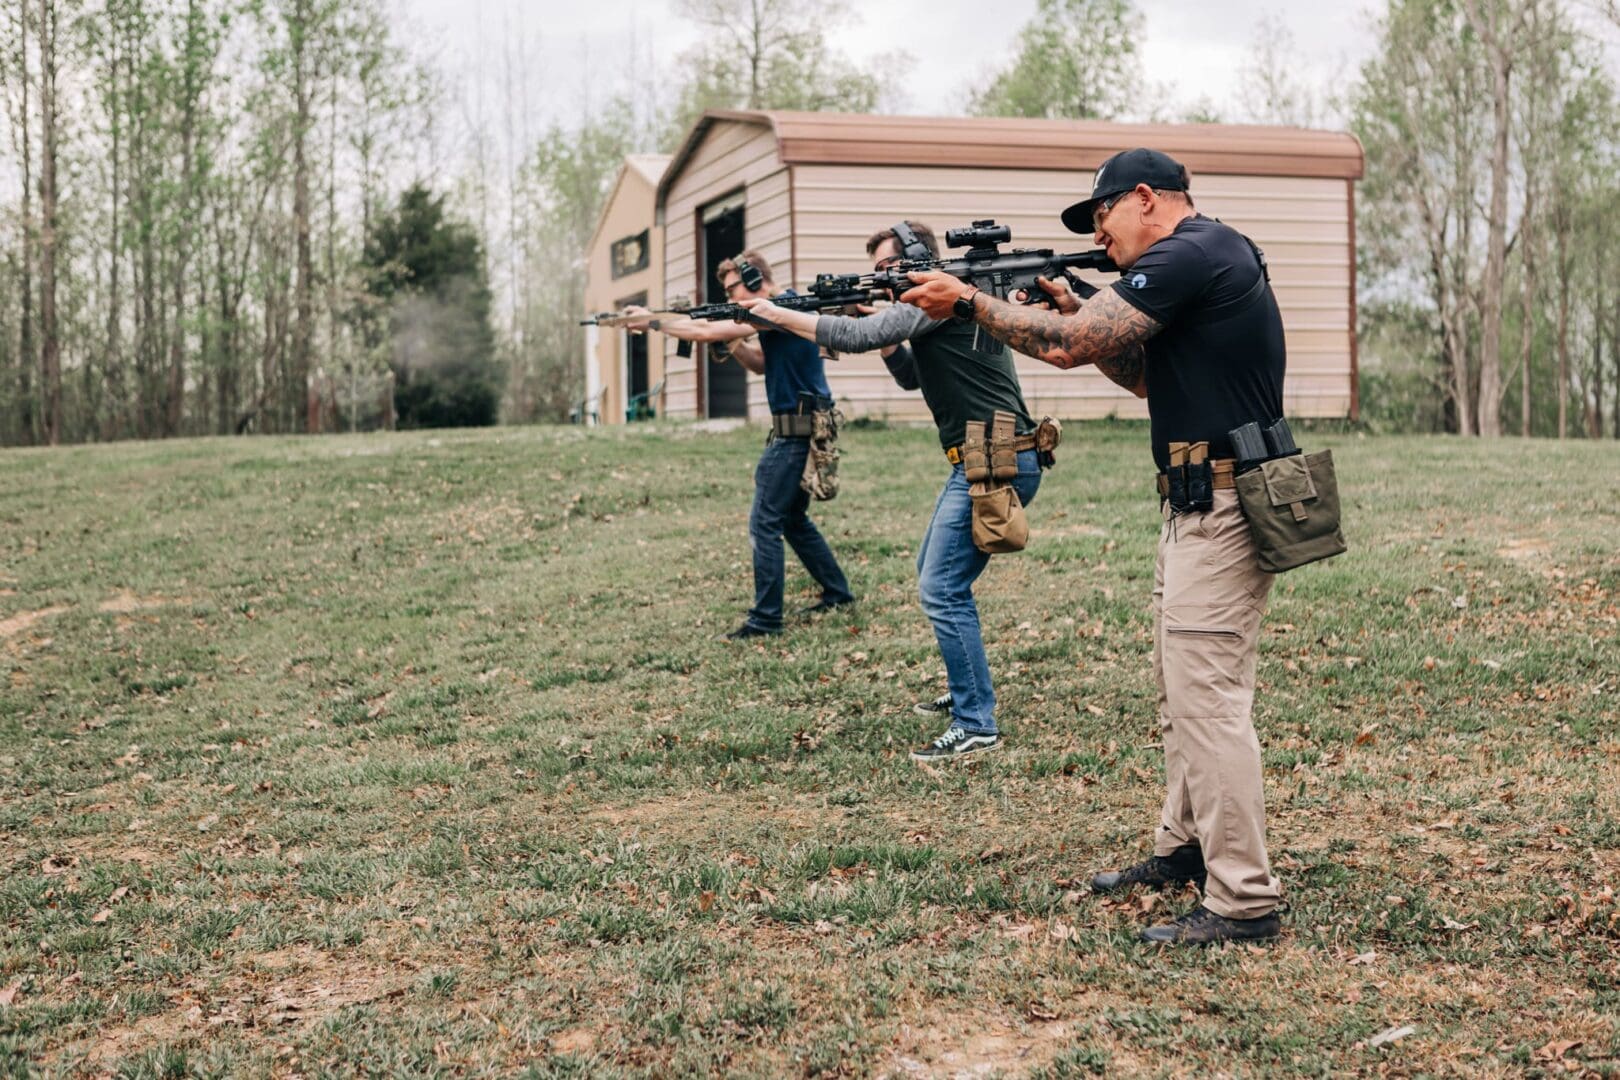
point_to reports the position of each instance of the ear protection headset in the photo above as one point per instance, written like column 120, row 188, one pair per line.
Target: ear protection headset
column 749, row 274
column 912, row 248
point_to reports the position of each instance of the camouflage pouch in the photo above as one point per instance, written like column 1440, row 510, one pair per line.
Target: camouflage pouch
column 820, row 476
column 1292, row 504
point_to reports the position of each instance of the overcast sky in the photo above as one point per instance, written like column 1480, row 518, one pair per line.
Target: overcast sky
column 577, row 50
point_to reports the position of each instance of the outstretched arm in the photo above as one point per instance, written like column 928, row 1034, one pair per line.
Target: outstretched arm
column 1107, row 331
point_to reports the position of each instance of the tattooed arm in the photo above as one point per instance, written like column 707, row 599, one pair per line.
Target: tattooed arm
column 1106, row 331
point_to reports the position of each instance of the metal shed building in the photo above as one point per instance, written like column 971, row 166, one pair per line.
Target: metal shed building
column 806, row 189
column 624, row 373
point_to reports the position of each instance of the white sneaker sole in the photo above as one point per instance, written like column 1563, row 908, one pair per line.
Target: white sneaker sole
column 929, row 759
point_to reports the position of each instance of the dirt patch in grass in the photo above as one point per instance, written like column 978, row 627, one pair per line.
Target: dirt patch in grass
column 127, row 602
column 21, row 621
column 269, row 992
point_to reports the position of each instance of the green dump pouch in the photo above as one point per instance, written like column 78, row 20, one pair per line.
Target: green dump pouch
column 975, row 454
column 1292, row 504
column 999, row 522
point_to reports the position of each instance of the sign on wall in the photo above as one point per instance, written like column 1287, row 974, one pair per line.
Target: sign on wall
column 630, row 254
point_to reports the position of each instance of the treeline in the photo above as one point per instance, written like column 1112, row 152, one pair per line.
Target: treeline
column 226, row 216
column 186, row 201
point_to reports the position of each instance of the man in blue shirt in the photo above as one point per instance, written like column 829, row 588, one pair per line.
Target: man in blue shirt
column 795, row 385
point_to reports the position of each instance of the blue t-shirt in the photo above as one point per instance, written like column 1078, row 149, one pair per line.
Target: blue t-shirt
column 792, row 365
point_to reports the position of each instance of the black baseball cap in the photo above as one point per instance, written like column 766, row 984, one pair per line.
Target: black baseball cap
column 1121, row 173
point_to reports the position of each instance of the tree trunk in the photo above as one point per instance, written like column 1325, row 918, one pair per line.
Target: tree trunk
column 1490, row 345
column 1565, row 272
column 112, row 359
column 304, row 299
column 1528, row 309
column 25, row 358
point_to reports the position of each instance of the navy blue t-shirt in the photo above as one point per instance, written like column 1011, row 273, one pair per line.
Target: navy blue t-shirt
column 1219, row 361
column 792, row 365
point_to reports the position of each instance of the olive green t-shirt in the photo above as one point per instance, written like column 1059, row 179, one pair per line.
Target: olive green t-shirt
column 959, row 382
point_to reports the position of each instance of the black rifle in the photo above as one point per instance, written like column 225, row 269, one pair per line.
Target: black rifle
column 828, row 292
column 999, row 273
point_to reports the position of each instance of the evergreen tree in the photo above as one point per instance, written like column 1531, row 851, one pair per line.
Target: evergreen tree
column 427, row 271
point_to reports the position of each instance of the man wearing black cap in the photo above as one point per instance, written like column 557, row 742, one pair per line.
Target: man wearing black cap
column 1193, row 327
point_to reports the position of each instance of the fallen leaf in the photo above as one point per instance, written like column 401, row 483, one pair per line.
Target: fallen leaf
column 705, row 900
column 1364, row 958
column 8, row 996
column 1062, row 931
column 1389, row 1035
column 1452, row 924
column 1555, row 1050
column 1038, row 1011
column 101, row 916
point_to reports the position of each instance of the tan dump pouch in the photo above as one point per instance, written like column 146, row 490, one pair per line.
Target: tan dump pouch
column 1292, row 504
column 820, row 477
column 1003, row 454
column 999, row 522
column 975, row 454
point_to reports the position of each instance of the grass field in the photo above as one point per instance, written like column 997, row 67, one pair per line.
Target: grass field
column 414, row 754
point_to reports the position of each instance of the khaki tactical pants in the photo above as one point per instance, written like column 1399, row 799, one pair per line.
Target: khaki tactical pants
column 1208, row 597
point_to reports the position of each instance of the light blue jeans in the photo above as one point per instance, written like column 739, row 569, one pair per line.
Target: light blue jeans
column 947, row 566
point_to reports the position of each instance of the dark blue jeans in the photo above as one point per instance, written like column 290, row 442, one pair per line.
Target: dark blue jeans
column 947, row 566
column 781, row 513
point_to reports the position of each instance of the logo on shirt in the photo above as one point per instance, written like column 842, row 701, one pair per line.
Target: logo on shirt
column 1135, row 281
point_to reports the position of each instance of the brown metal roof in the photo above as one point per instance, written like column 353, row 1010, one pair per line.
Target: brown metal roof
column 1017, row 143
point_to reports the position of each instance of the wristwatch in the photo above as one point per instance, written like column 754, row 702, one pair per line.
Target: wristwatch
column 963, row 308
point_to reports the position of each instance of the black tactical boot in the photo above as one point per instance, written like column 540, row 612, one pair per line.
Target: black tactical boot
column 1201, row 926
column 1186, row 863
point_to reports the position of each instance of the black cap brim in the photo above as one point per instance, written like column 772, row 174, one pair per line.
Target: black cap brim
column 1078, row 218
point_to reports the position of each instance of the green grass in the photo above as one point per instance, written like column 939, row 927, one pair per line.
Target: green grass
column 413, row 754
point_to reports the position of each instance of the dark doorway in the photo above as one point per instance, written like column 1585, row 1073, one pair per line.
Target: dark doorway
column 723, row 232
column 637, row 406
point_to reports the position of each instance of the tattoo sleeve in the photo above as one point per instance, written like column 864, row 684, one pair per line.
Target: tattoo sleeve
column 1106, row 331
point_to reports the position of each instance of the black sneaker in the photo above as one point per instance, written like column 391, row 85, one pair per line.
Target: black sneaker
column 956, row 743
column 940, row 706
column 1201, row 926
column 748, row 630
column 1182, row 865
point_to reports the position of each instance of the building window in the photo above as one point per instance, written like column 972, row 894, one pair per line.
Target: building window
column 630, row 254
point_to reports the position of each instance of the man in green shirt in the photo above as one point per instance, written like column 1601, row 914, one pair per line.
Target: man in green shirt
column 960, row 383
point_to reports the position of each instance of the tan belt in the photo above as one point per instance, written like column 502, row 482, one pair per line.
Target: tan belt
column 793, row 425
column 1224, row 476
column 1020, row 443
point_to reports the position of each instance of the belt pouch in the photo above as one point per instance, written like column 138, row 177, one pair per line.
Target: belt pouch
column 1292, row 505
column 1003, row 458
column 975, row 455
column 999, row 522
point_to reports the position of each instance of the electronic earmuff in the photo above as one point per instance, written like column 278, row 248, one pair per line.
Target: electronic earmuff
column 749, row 275
column 912, row 249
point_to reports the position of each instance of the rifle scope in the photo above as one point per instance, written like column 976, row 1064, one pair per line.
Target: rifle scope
column 979, row 234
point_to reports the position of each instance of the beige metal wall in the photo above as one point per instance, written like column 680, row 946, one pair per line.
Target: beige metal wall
column 1303, row 226
column 630, row 210
column 733, row 156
